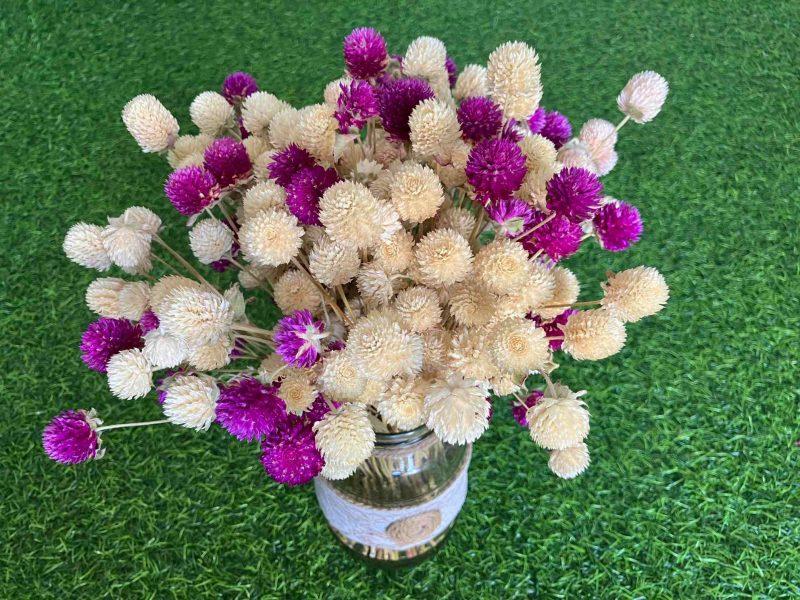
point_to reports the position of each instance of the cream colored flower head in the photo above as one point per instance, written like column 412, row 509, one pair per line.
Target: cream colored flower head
column 191, row 401
column 162, row 350
column 416, row 193
column 345, row 437
column 271, row 369
column 600, row 136
column 593, row 335
column 381, row 187
column 83, row 245
column 256, row 146
column 263, row 195
column 643, row 96
column 396, row 254
column 340, row 379
column 502, row 266
column 164, row 287
column 514, row 78
column 458, row 411
column 471, row 356
column 188, row 150
column 130, row 375
column 102, row 296
column 519, row 346
column 434, row 130
column 283, row 128
column 470, row 304
column 133, row 299
column 258, row 110
column 559, row 419
column 212, row 114
column 443, row 258
column 333, row 263
column 635, row 293
column 261, row 164
column 425, row 59
column 210, row 240
column 458, row 219
column 294, row 290
column 418, row 308
column 127, row 246
column 297, row 390
column 150, row 123
column 381, row 348
column 576, row 153
column 403, row 404
column 207, row 357
column 270, row 238
column 540, row 161
column 316, row 131
column 351, row 215
column 435, row 350
column 198, row 316
column 472, row 81
column 333, row 89
column 565, row 292
column 236, row 299
column 375, row 286
column 569, row 462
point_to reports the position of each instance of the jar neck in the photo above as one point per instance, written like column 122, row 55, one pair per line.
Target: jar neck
column 402, row 438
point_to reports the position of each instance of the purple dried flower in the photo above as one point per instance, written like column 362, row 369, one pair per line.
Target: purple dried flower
column 336, row 345
column 574, row 193
column 105, row 337
column 618, row 225
column 364, row 53
column 305, row 191
column 148, row 322
column 227, row 160
column 552, row 328
column 495, row 168
column 396, row 100
column 289, row 454
column 319, row 408
column 71, row 437
column 298, row 338
column 558, row 238
column 536, row 120
column 242, row 129
column 480, row 118
column 519, row 412
column 191, row 189
column 356, row 104
column 452, row 71
column 556, row 128
column 238, row 86
column 249, row 410
column 511, row 132
column 287, row 162
column 513, row 216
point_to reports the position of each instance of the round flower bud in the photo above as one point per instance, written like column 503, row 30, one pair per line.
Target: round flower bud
column 458, row 411
column 519, row 346
column 296, row 390
column 162, row 350
column 374, row 285
column 133, row 299
column 643, row 96
column 211, row 113
column 600, row 136
column 458, row 219
column 403, row 404
column 416, row 192
column 396, row 253
column 635, row 293
column 443, row 258
column 344, row 436
column 150, row 123
column 502, row 266
column 270, row 238
column 471, row 305
column 83, row 245
column 418, row 308
column 129, row 373
column 198, row 316
column 353, row 216
column 569, row 462
column 191, row 401
column 316, row 131
column 102, row 296
column 164, row 287
column 425, row 59
column 283, row 128
column 514, row 79
column 333, row 263
column 382, row 349
column 126, row 246
column 258, row 111
column 566, row 291
column 434, row 130
column 559, row 419
column 263, row 195
column 188, row 150
column 210, row 240
column 471, row 82
column 593, row 335
column 340, row 379
column 294, row 290
column 471, row 356
column 208, row 357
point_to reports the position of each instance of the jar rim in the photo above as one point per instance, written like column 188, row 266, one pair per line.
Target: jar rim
column 402, row 437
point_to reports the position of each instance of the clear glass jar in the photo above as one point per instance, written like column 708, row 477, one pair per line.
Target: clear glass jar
column 399, row 506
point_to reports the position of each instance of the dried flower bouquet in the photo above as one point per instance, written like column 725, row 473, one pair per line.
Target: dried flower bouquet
column 412, row 227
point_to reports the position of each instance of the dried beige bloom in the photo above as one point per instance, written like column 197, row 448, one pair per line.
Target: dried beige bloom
column 559, row 419
column 333, row 263
column 435, row 350
column 256, row 146
column 575, row 153
column 593, row 335
column 191, row 401
column 212, row 114
column 345, row 437
column 210, row 240
column 395, row 254
column 600, row 137
column 643, row 96
column 382, row 349
column 460, row 220
column 353, row 216
column 270, row 238
column 471, row 356
column 127, row 246
column 271, row 369
column 187, row 149
column 519, row 346
column 540, row 161
column 162, row 350
column 471, row 304
column 403, row 404
column 165, row 286
column 635, row 293
column 340, row 379
column 458, row 411
column 569, row 462
column 472, row 81
column 425, row 59
column 283, row 128
column 198, row 316
column 297, row 390
column 418, row 308
column 443, row 258
column 334, row 88
column 416, row 192
column 207, row 357
column 263, row 195
column 150, row 123
column 102, row 296
column 514, row 78
column 133, row 299
column 294, row 290
column 375, row 286
column 502, row 266
column 130, row 375
column 258, row 110
column 83, row 245
column 566, row 291
column 316, row 131
column 434, row 130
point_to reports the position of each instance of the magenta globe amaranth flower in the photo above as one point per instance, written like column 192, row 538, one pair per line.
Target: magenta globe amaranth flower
column 396, row 100
column 452, row 71
column 238, row 86
column 249, row 410
column 319, row 408
column 148, row 322
column 298, row 338
column 558, row 238
column 356, row 104
column 305, row 191
column 72, row 437
column 106, row 337
column 289, row 454
column 618, row 225
column 556, row 128
column 552, row 328
column 512, row 216
column 480, row 118
column 227, row 160
column 574, row 193
column 520, row 411
column 191, row 189
column 287, row 162
column 495, row 168
column 537, row 120
column 365, row 53
column 511, row 131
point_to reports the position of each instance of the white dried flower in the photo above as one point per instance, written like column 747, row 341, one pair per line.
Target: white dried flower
column 102, row 296
column 471, row 356
column 236, row 299
column 283, row 128
column 540, row 162
column 458, row 411
column 434, row 130
column 374, row 285
column 381, row 187
column 270, row 238
column 569, row 462
column 458, row 219
column 353, row 216
column 271, row 369
column 258, row 110
column 162, row 350
column 126, row 246
column 470, row 304
column 575, row 153
column 472, row 81
column 140, row 218
column 593, row 335
column 261, row 164
column 514, row 78
column 340, row 379
column 263, row 195
column 395, row 254
column 435, row 348
column 418, row 308
column 559, row 419
column 164, row 287
column 150, row 123
column 187, row 149
column 643, row 96
column 382, row 349
column 333, row 263
column 198, row 316
column 130, row 375
column 294, row 290
column 334, row 88
column 403, row 404
column 345, row 437
column 83, row 245
column 501, row 266
column 297, row 391
column 316, row 131
column 635, row 293
column 211, row 113
column 425, row 59
column 133, row 299
column 600, row 136
column 210, row 240
column 519, row 346
column 191, row 401
column 415, row 192
column 443, row 258
column 256, row 146
column 565, row 292
column 207, row 357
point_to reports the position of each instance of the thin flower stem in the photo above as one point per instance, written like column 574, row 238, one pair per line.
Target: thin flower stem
column 534, row 228
column 619, row 126
column 228, row 218
column 344, row 299
column 550, row 389
column 555, row 337
column 123, row 425
column 183, row 262
column 325, row 295
column 478, row 224
column 166, row 264
column 583, row 303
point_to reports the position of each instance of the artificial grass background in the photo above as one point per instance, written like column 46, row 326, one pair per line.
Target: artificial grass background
column 693, row 490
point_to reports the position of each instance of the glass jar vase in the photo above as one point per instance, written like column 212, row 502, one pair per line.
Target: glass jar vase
column 400, row 504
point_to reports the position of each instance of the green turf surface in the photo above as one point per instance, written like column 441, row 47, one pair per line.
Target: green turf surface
column 693, row 491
